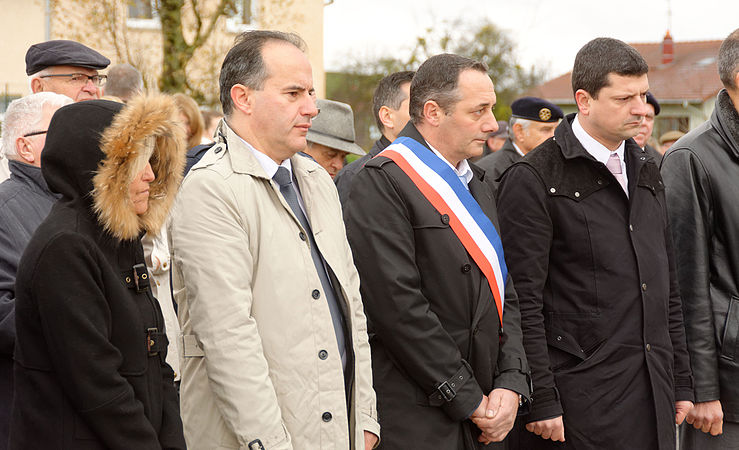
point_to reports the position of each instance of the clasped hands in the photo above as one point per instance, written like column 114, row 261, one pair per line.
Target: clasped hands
column 495, row 415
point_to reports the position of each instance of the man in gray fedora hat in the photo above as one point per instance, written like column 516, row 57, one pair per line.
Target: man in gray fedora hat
column 331, row 136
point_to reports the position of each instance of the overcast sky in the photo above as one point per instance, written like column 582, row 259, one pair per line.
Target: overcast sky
column 545, row 34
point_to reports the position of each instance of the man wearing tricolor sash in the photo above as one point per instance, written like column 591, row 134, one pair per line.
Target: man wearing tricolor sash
column 448, row 361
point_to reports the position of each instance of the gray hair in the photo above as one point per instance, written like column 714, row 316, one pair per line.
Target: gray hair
column 39, row 74
column 525, row 123
column 728, row 60
column 24, row 116
column 124, row 82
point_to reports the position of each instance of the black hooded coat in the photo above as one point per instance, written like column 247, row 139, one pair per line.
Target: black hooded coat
column 90, row 350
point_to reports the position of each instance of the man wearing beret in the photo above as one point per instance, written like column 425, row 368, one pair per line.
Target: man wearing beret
column 533, row 121
column 331, row 136
column 66, row 67
column 645, row 130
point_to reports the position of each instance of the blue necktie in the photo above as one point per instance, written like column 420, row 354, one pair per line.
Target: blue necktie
column 284, row 180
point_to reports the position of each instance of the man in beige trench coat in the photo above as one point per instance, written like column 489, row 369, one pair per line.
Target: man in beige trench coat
column 275, row 352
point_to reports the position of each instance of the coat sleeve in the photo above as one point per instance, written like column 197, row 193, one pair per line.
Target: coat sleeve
column 10, row 254
column 210, row 248
column 170, row 433
column 381, row 235
column 526, row 230
column 76, row 322
column 689, row 206
column 512, row 370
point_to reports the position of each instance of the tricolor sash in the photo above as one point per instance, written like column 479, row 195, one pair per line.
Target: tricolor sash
column 440, row 185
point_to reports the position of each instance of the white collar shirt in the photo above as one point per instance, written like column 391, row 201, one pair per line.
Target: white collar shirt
column 517, row 149
column 463, row 170
column 599, row 151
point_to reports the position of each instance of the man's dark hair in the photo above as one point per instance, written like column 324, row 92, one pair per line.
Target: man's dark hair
column 124, row 82
column 389, row 93
column 603, row 56
column 437, row 80
column 244, row 63
column 728, row 60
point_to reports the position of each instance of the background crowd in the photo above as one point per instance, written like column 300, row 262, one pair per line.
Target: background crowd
column 172, row 276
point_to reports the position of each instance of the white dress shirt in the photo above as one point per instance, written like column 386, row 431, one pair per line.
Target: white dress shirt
column 599, row 151
column 463, row 169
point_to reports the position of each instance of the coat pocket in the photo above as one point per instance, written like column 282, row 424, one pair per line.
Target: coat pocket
column 731, row 330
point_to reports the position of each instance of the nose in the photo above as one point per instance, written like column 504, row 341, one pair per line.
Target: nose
column 90, row 86
column 490, row 125
column 148, row 174
column 639, row 107
column 309, row 108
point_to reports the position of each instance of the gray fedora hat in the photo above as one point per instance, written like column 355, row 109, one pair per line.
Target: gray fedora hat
column 334, row 127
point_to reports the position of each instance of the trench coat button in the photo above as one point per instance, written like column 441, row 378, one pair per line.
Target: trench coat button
column 316, row 294
column 559, row 338
column 649, row 347
column 302, row 236
column 631, row 227
column 475, row 330
column 327, row 416
column 444, row 219
column 599, row 181
column 552, row 190
column 577, row 194
column 643, row 158
column 218, row 150
column 466, row 268
column 644, row 287
column 323, row 354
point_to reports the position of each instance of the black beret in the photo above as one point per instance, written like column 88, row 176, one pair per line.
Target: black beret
column 537, row 109
column 653, row 101
column 63, row 53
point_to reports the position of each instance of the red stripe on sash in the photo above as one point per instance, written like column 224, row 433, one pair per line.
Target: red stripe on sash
column 467, row 241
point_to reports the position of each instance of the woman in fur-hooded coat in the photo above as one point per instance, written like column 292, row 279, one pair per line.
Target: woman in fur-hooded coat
column 90, row 351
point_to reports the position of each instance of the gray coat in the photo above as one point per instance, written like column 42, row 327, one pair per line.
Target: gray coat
column 25, row 201
column 497, row 163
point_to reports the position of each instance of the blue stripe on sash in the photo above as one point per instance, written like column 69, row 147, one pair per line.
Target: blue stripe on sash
column 436, row 164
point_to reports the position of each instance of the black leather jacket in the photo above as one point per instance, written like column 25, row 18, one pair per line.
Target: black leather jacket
column 701, row 174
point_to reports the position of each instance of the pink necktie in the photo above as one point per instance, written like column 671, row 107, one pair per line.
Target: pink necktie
column 614, row 165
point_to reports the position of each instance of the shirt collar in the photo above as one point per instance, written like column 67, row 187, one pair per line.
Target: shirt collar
column 463, row 170
column 599, row 151
column 268, row 164
column 517, row 149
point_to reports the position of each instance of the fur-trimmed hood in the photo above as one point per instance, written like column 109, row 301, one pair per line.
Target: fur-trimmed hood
column 94, row 150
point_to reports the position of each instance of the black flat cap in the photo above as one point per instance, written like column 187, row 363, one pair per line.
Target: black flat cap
column 653, row 101
column 63, row 53
column 537, row 109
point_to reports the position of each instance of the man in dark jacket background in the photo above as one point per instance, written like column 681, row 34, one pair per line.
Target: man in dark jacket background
column 701, row 173
column 587, row 242
column 440, row 355
column 390, row 107
column 25, row 201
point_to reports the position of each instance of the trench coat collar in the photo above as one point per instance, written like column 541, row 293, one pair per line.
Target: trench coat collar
column 243, row 161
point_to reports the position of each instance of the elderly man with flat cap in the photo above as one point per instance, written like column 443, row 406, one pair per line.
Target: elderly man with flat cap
column 66, row 67
column 331, row 136
column 533, row 121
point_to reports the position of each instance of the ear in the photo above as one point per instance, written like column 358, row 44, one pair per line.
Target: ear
column 385, row 115
column 242, row 98
column 583, row 100
column 518, row 131
column 36, row 85
column 24, row 149
column 432, row 113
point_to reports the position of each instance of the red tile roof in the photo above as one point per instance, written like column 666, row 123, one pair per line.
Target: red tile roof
column 692, row 76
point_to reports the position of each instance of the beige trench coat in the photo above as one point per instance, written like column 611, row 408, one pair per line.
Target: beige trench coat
column 252, row 332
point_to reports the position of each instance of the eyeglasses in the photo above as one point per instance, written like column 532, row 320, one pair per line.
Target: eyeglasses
column 35, row 133
column 80, row 79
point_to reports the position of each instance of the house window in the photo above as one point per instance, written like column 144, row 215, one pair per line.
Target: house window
column 140, row 9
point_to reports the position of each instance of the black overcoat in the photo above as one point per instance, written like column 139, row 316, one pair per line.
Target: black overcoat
column 496, row 163
column 430, row 311
column 600, row 308
column 90, row 370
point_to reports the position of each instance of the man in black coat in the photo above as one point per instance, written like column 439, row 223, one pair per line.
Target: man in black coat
column 588, row 244
column 533, row 121
column 701, row 173
column 439, row 353
column 390, row 107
